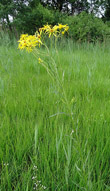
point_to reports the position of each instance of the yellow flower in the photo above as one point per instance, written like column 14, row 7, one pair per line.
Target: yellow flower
column 55, row 28
column 66, row 28
column 60, row 26
column 40, row 60
column 51, row 32
column 45, row 28
column 29, row 42
column 63, row 28
column 54, row 31
column 38, row 35
column 48, row 29
column 23, row 36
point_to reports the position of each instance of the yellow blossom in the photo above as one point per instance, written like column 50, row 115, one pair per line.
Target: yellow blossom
column 60, row 26
column 29, row 42
column 40, row 60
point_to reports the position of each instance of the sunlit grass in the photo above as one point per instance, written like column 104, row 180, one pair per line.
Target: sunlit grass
column 36, row 128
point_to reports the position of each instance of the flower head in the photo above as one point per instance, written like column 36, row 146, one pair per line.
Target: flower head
column 40, row 60
column 28, row 42
column 63, row 28
column 55, row 30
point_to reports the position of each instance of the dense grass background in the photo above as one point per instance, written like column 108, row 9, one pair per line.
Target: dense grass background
column 32, row 135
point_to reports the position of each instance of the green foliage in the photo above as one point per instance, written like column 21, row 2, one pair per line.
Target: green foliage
column 28, row 16
column 86, row 27
column 7, row 39
column 36, row 130
column 29, row 21
column 43, row 16
column 11, row 8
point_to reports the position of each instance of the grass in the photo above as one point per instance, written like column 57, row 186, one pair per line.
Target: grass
column 36, row 144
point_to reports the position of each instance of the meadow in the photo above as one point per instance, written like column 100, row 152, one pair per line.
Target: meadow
column 41, row 148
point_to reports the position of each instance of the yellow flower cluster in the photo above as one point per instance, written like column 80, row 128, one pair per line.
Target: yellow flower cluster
column 28, row 42
column 54, row 31
column 40, row 60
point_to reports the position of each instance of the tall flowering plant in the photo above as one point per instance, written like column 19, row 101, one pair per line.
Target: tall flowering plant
column 32, row 43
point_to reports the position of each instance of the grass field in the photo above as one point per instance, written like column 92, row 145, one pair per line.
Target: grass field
column 41, row 148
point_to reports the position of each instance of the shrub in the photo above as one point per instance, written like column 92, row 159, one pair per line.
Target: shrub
column 31, row 20
column 87, row 27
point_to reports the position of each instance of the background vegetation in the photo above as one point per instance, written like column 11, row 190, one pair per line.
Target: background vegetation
column 40, row 147
column 26, row 16
column 38, row 141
